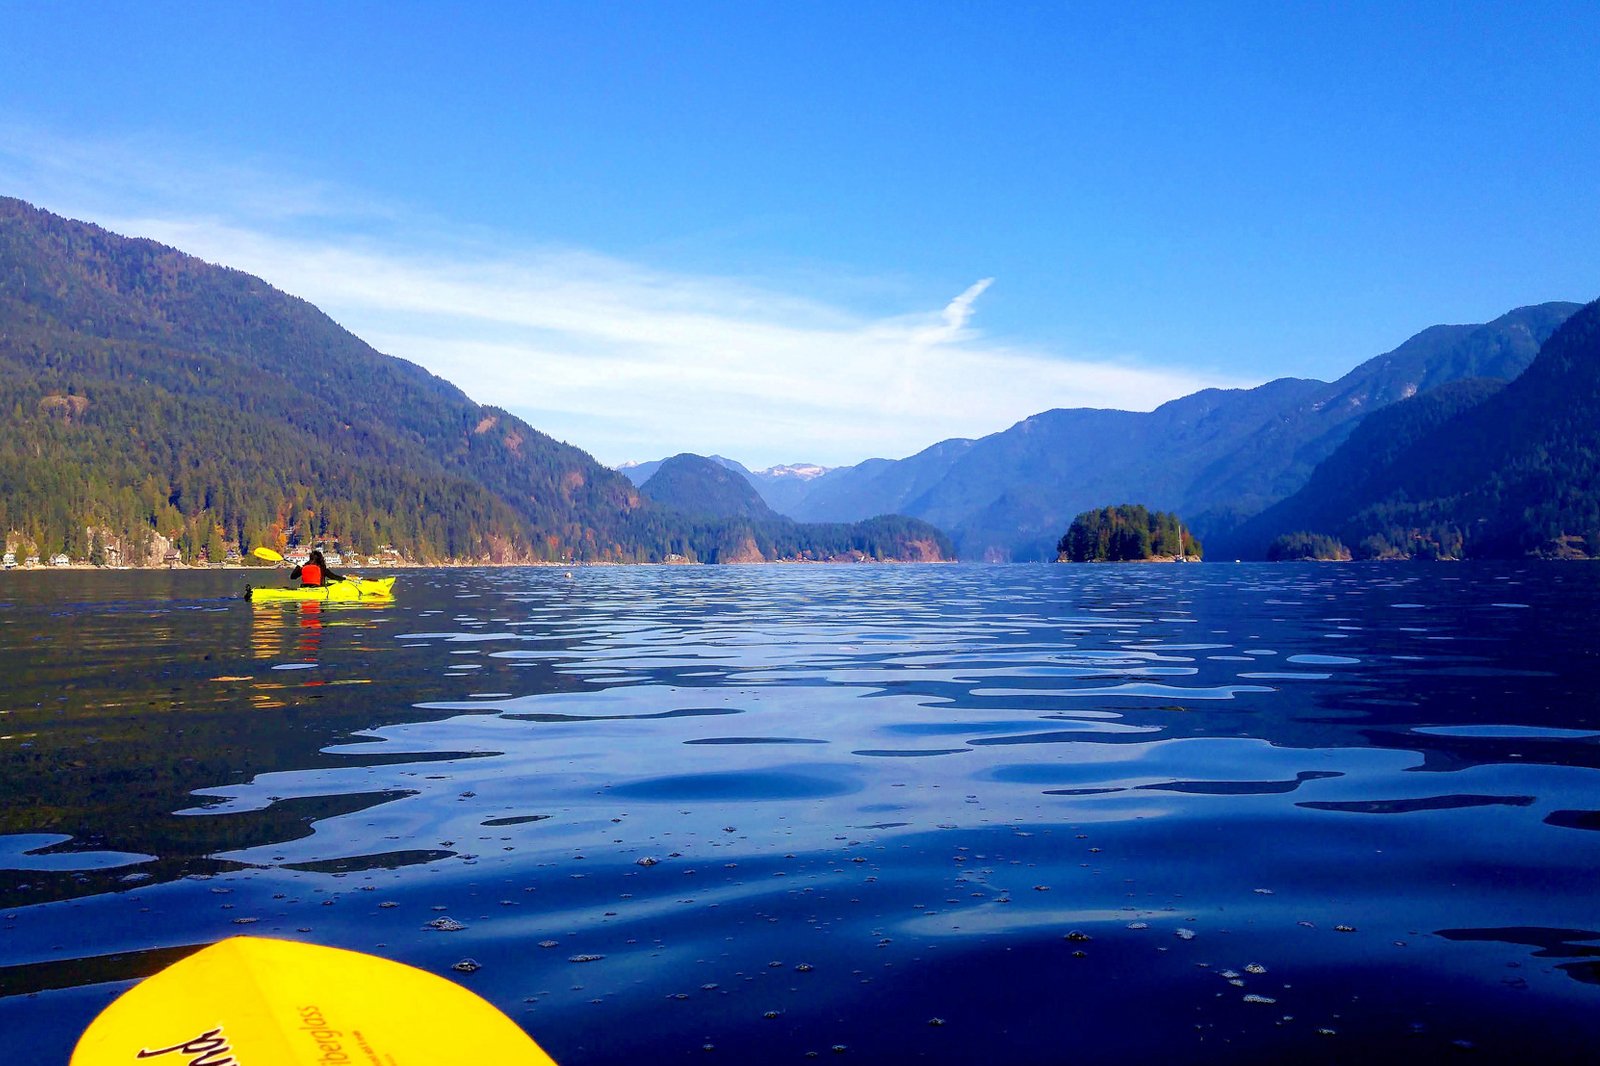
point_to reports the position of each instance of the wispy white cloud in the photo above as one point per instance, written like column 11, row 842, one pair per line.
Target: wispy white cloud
column 91, row 177
column 624, row 360
column 957, row 313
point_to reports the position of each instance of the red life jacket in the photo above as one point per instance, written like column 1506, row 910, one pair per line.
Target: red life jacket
column 310, row 575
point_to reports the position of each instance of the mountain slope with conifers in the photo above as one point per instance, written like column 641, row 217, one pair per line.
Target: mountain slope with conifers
column 149, row 398
column 1478, row 471
column 1363, row 468
column 697, row 485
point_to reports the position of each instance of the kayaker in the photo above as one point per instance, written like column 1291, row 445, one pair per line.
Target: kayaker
column 314, row 572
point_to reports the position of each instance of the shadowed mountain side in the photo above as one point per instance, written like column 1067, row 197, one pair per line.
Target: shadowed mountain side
column 705, row 487
column 639, row 473
column 727, row 522
column 1040, row 473
column 874, row 486
column 1362, row 469
column 1469, row 471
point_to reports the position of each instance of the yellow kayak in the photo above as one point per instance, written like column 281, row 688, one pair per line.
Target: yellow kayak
column 351, row 588
column 250, row 1001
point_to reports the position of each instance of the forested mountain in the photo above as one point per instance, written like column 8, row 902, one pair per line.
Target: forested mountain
column 705, row 488
column 1471, row 471
column 1362, row 468
column 729, row 522
column 639, row 473
column 1218, row 455
column 149, row 398
column 781, row 487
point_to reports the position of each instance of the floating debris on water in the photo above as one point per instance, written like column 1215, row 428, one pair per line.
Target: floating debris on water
column 585, row 958
column 468, row 966
column 1184, row 934
column 446, row 924
column 1254, row 967
column 1251, row 997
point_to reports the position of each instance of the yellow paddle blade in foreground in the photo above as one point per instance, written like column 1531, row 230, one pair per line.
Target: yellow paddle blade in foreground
column 251, row 1001
column 268, row 554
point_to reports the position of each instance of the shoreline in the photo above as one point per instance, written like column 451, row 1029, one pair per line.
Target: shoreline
column 461, row 565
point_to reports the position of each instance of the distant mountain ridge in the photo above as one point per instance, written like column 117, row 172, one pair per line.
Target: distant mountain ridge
column 1216, row 457
column 744, row 529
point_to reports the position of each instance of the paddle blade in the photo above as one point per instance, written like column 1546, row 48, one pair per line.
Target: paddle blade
column 268, row 554
column 253, row 1000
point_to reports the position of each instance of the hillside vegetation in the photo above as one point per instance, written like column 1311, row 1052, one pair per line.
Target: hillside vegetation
column 1129, row 533
column 1475, row 470
column 150, row 399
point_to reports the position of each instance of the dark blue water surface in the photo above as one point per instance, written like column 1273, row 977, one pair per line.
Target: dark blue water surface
column 959, row 814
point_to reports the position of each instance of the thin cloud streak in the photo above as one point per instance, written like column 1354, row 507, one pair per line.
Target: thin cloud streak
column 957, row 313
column 630, row 363
column 87, row 178
column 625, row 361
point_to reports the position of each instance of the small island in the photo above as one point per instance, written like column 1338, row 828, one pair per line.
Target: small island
column 1127, row 533
column 1302, row 545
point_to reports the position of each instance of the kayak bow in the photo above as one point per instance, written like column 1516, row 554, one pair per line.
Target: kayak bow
column 253, row 1000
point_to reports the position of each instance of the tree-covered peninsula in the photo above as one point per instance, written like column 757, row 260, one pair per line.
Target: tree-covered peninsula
column 1127, row 533
column 1300, row 545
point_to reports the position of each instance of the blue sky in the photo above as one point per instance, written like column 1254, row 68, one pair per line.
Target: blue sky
column 825, row 231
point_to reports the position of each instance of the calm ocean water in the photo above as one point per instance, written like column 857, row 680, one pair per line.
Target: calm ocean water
column 945, row 814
